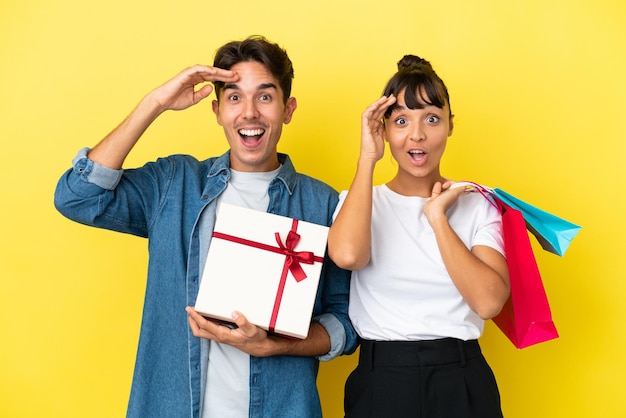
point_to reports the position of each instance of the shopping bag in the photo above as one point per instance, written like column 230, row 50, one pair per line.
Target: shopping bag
column 553, row 233
column 526, row 318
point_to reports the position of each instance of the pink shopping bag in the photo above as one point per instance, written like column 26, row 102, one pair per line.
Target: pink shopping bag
column 525, row 318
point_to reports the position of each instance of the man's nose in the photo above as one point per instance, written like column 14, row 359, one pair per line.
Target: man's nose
column 250, row 110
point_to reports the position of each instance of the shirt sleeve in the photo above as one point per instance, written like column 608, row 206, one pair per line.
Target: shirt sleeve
column 489, row 231
column 337, row 335
column 342, row 198
column 119, row 200
column 92, row 172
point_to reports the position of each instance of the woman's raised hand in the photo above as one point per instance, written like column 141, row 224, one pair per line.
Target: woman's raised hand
column 373, row 129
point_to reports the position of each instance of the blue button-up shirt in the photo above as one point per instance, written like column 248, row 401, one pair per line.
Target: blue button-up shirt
column 162, row 201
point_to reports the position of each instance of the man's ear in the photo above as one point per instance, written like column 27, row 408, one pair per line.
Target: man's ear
column 216, row 109
column 290, row 107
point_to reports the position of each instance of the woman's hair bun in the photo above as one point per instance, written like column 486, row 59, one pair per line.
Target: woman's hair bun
column 413, row 61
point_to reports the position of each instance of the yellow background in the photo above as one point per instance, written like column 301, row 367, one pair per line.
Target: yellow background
column 539, row 92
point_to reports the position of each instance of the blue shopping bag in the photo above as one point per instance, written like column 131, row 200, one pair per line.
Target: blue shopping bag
column 553, row 233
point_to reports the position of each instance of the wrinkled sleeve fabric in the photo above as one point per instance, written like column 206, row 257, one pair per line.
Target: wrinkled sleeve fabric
column 92, row 172
column 337, row 335
column 119, row 200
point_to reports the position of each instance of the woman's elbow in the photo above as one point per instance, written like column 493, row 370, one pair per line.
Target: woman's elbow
column 490, row 308
column 488, row 312
column 348, row 260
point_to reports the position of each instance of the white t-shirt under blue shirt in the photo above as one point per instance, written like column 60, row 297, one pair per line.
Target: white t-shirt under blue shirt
column 227, row 391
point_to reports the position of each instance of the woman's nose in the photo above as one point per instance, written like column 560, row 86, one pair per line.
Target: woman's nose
column 417, row 132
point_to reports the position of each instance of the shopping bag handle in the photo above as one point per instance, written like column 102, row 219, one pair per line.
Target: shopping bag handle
column 486, row 192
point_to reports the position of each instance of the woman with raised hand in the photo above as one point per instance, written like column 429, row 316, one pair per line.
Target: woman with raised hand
column 427, row 261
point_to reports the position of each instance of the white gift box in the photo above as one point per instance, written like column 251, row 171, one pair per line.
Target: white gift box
column 265, row 266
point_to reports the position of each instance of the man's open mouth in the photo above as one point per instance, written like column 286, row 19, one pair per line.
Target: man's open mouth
column 251, row 134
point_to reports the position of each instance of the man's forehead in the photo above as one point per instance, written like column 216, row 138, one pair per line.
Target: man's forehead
column 253, row 73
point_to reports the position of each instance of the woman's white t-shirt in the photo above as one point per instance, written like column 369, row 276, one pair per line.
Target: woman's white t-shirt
column 405, row 292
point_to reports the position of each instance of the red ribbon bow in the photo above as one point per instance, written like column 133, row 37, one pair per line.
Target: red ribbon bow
column 294, row 258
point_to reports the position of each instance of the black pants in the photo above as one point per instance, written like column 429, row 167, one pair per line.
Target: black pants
column 445, row 378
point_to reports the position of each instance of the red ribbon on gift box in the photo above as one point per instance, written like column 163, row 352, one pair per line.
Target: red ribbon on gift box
column 292, row 260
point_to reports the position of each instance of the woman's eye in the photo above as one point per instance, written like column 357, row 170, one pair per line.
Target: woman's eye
column 400, row 121
column 433, row 119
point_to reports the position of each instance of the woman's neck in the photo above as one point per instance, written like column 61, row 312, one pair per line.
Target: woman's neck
column 413, row 186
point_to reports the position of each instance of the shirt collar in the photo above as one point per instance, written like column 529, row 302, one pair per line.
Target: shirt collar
column 287, row 173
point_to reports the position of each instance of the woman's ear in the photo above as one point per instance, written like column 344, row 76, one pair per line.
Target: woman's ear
column 451, row 125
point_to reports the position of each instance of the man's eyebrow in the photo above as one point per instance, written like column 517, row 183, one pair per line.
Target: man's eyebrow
column 264, row 86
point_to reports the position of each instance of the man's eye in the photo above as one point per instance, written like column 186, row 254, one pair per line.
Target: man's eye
column 265, row 97
column 233, row 97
